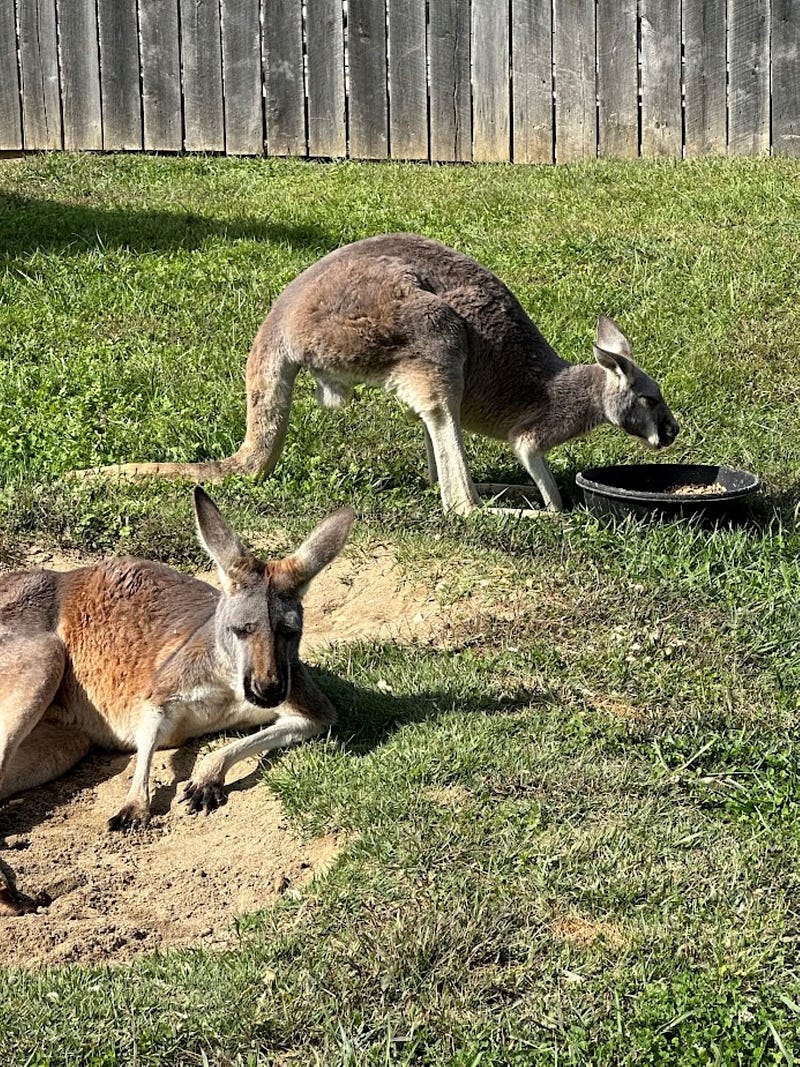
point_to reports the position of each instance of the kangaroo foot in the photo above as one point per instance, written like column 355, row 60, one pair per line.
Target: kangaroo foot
column 205, row 797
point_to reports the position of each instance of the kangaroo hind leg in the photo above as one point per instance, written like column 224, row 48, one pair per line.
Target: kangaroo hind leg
column 31, row 669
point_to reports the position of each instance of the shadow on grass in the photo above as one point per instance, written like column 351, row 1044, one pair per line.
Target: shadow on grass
column 368, row 718
column 28, row 225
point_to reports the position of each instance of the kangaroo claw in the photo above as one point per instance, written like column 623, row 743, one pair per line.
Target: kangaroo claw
column 205, row 798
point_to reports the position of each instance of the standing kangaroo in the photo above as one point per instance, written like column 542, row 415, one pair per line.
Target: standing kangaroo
column 131, row 655
column 455, row 345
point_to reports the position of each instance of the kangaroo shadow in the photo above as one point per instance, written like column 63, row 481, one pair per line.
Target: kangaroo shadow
column 28, row 224
column 368, row 718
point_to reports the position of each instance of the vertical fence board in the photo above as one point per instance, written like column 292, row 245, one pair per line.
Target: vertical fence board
column 408, row 89
column 80, row 74
column 449, row 62
column 327, row 134
column 786, row 77
column 662, row 121
column 241, row 77
column 38, row 55
column 161, row 75
column 529, row 80
column 119, row 74
column 283, row 78
column 705, row 119
column 367, row 103
column 10, row 121
column 574, row 51
column 532, row 81
column 617, row 79
column 491, row 98
column 201, row 55
column 748, row 101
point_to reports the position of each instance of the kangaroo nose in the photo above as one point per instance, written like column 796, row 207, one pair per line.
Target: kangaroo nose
column 670, row 432
column 264, row 694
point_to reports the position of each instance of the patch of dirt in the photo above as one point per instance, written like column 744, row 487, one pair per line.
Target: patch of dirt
column 183, row 880
column 367, row 599
column 618, row 708
column 585, row 932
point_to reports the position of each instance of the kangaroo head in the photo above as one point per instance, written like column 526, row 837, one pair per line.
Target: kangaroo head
column 259, row 618
column 631, row 399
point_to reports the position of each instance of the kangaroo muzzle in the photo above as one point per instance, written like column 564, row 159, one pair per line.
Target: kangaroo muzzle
column 667, row 433
column 265, row 694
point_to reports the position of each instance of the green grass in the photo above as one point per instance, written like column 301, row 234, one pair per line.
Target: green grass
column 574, row 835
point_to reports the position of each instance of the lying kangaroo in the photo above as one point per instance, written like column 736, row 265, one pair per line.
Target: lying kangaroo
column 131, row 655
column 448, row 337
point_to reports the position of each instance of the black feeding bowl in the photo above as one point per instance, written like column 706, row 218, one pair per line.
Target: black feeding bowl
column 667, row 490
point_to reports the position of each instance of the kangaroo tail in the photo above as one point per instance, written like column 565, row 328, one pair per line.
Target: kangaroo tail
column 205, row 471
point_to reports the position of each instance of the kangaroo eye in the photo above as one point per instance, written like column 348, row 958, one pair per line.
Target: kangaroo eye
column 245, row 630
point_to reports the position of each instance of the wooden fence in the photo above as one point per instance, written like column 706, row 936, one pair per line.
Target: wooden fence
column 520, row 80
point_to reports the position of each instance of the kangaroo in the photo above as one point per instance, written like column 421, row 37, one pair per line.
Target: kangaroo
column 454, row 344
column 133, row 656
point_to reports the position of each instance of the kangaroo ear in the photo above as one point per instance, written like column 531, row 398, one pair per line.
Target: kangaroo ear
column 320, row 547
column 612, row 350
column 233, row 560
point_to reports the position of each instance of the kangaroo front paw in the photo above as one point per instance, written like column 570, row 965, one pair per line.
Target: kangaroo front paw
column 207, row 797
column 129, row 817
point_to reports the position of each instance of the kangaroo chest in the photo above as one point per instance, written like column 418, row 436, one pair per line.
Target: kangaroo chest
column 210, row 708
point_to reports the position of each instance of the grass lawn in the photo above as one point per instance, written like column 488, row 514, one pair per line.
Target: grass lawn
column 574, row 832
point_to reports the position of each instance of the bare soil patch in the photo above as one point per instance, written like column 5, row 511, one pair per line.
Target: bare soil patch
column 583, row 931
column 183, row 880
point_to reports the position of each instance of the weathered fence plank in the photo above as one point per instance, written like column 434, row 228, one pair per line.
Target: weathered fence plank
column 449, row 63
column 367, row 105
column 527, row 80
column 491, row 97
column 119, row 74
column 161, row 75
column 80, row 74
column 574, row 54
column 10, row 117
column 662, row 120
column 748, row 56
column 705, row 75
column 241, row 77
column 532, row 81
column 201, row 55
column 617, row 79
column 408, row 90
column 786, row 77
column 327, row 132
column 283, row 77
column 38, row 57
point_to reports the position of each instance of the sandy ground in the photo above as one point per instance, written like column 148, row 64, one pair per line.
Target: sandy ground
column 183, row 880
